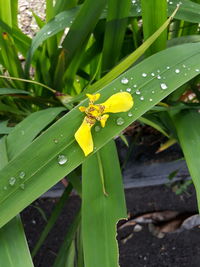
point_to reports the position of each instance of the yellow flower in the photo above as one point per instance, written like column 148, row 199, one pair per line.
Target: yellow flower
column 119, row 102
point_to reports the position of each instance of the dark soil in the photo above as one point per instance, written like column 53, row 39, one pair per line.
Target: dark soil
column 142, row 248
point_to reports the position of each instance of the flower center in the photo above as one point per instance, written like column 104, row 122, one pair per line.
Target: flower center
column 94, row 111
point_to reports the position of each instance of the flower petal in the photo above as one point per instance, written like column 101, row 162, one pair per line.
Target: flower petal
column 119, row 102
column 103, row 120
column 93, row 98
column 84, row 137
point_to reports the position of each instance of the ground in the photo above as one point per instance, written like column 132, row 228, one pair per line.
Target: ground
column 138, row 249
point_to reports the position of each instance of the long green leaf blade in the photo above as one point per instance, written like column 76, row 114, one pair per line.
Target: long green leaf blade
column 40, row 160
column 187, row 124
column 100, row 213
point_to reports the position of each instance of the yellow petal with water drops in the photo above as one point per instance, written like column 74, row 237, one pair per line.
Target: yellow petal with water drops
column 84, row 137
column 119, row 102
column 103, row 120
column 93, row 98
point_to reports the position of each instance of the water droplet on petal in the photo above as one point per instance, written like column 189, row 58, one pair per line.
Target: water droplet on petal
column 128, row 89
column 163, row 86
column 130, row 114
column 62, row 159
column 177, row 70
column 12, row 181
column 120, row 121
column 142, row 98
column 97, row 128
column 22, row 175
column 124, row 80
column 144, row 75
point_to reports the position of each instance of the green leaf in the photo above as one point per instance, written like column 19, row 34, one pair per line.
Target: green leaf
column 187, row 124
column 116, row 24
column 152, row 20
column 57, row 24
column 100, row 213
column 40, row 161
column 8, row 91
column 14, row 248
column 26, row 131
column 82, row 26
column 4, row 129
column 127, row 62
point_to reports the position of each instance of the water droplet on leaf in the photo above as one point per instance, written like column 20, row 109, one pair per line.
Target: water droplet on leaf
column 12, row 181
column 177, row 70
column 22, row 175
column 22, row 186
column 128, row 89
column 97, row 128
column 163, row 86
column 124, row 80
column 62, row 159
column 130, row 114
column 144, row 75
column 120, row 121
column 142, row 98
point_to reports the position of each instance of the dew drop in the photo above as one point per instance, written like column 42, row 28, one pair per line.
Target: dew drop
column 120, row 121
column 62, row 159
column 158, row 77
column 158, row 71
column 137, row 92
column 184, row 66
column 5, row 188
column 138, row 9
column 22, row 175
column 97, row 128
column 163, row 86
column 22, row 186
column 153, row 92
column 142, row 98
column 55, row 141
column 152, row 74
column 12, row 181
column 168, row 67
column 135, row 85
column 144, row 75
column 124, row 80
column 130, row 114
column 49, row 32
column 197, row 70
column 128, row 89
column 133, row 2
column 177, row 70
column 150, row 99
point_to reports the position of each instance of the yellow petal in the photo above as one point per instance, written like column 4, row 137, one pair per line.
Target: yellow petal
column 82, row 109
column 84, row 137
column 103, row 120
column 119, row 102
column 93, row 98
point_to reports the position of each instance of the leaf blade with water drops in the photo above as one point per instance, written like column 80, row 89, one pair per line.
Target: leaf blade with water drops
column 39, row 161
